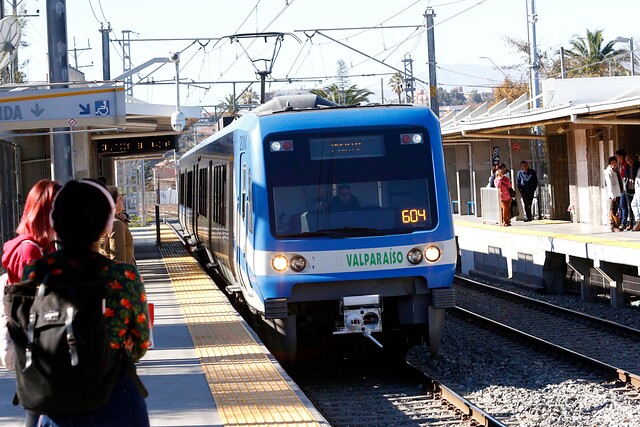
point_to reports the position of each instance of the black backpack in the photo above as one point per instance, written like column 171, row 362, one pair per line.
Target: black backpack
column 63, row 360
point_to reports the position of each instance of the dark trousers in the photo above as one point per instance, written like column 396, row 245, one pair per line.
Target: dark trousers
column 527, row 199
column 624, row 209
column 126, row 408
column 613, row 210
column 629, row 198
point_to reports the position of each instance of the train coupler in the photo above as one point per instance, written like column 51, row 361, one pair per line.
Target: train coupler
column 361, row 314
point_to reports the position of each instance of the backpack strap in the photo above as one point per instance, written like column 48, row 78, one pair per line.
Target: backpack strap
column 71, row 338
column 31, row 327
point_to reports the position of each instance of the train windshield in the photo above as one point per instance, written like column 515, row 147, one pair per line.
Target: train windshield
column 360, row 183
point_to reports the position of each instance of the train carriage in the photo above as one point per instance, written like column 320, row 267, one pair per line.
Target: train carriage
column 261, row 199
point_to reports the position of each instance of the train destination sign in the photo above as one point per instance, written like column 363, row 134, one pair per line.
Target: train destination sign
column 53, row 108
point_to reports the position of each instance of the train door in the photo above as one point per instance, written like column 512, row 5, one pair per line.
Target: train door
column 209, row 203
column 240, row 221
column 191, row 182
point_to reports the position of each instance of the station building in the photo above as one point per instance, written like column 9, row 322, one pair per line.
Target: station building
column 567, row 141
column 32, row 114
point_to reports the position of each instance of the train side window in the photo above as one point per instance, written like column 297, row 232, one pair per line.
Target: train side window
column 181, row 201
column 218, row 192
column 249, row 203
column 223, row 195
column 189, row 201
column 243, row 196
column 202, row 192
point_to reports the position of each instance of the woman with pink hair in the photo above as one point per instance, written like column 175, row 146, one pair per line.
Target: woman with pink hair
column 35, row 233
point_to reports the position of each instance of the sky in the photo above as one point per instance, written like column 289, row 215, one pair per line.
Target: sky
column 466, row 32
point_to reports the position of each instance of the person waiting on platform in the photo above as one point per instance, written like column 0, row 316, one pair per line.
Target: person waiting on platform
column 527, row 182
column 344, row 200
column 628, row 182
column 623, row 203
column 503, row 184
column 613, row 184
column 118, row 244
column 635, row 202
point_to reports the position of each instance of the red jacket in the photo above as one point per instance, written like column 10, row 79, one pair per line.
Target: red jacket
column 17, row 254
column 503, row 185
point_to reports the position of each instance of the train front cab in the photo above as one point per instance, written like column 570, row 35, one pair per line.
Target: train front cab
column 398, row 175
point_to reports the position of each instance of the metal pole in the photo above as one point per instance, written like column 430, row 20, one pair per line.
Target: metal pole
column 61, row 146
column 156, row 184
column 106, row 60
column 633, row 59
column 433, row 86
column 177, row 85
column 563, row 69
column 535, row 66
column 263, row 78
column 144, row 190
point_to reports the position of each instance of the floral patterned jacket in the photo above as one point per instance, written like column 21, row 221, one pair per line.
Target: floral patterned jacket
column 126, row 307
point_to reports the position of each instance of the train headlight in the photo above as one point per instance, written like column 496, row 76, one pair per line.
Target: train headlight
column 414, row 256
column 298, row 263
column 432, row 253
column 411, row 138
column 276, row 146
column 279, row 263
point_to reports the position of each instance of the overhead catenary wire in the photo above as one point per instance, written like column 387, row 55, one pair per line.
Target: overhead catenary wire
column 307, row 49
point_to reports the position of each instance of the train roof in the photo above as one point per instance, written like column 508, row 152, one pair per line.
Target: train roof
column 292, row 104
column 282, row 104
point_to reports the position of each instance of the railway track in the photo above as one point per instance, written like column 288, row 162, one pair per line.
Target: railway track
column 373, row 392
column 526, row 385
column 608, row 343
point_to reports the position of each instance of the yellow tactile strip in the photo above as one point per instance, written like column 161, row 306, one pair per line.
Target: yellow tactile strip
column 583, row 238
column 246, row 386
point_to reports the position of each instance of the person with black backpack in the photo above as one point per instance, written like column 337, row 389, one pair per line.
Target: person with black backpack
column 79, row 322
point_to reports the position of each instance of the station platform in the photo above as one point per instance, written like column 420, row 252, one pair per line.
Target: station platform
column 538, row 255
column 207, row 367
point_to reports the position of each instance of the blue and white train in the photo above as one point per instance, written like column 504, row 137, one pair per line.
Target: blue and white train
column 260, row 199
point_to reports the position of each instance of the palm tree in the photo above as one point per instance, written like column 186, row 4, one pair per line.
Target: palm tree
column 396, row 83
column 590, row 58
column 229, row 102
column 249, row 96
column 350, row 96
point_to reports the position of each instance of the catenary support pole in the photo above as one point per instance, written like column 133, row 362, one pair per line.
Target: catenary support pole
column 433, row 85
column 61, row 146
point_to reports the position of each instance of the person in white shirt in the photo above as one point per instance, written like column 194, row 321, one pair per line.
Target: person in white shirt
column 613, row 184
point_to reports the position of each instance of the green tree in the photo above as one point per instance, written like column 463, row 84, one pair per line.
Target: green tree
column 476, row 96
column 228, row 103
column 591, row 56
column 444, row 97
column 351, row 96
column 457, row 96
column 396, row 83
column 249, row 96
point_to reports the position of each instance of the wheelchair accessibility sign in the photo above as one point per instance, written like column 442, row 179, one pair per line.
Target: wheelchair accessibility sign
column 102, row 108
column 31, row 109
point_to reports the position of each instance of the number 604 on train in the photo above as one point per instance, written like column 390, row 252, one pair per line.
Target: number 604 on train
column 325, row 219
